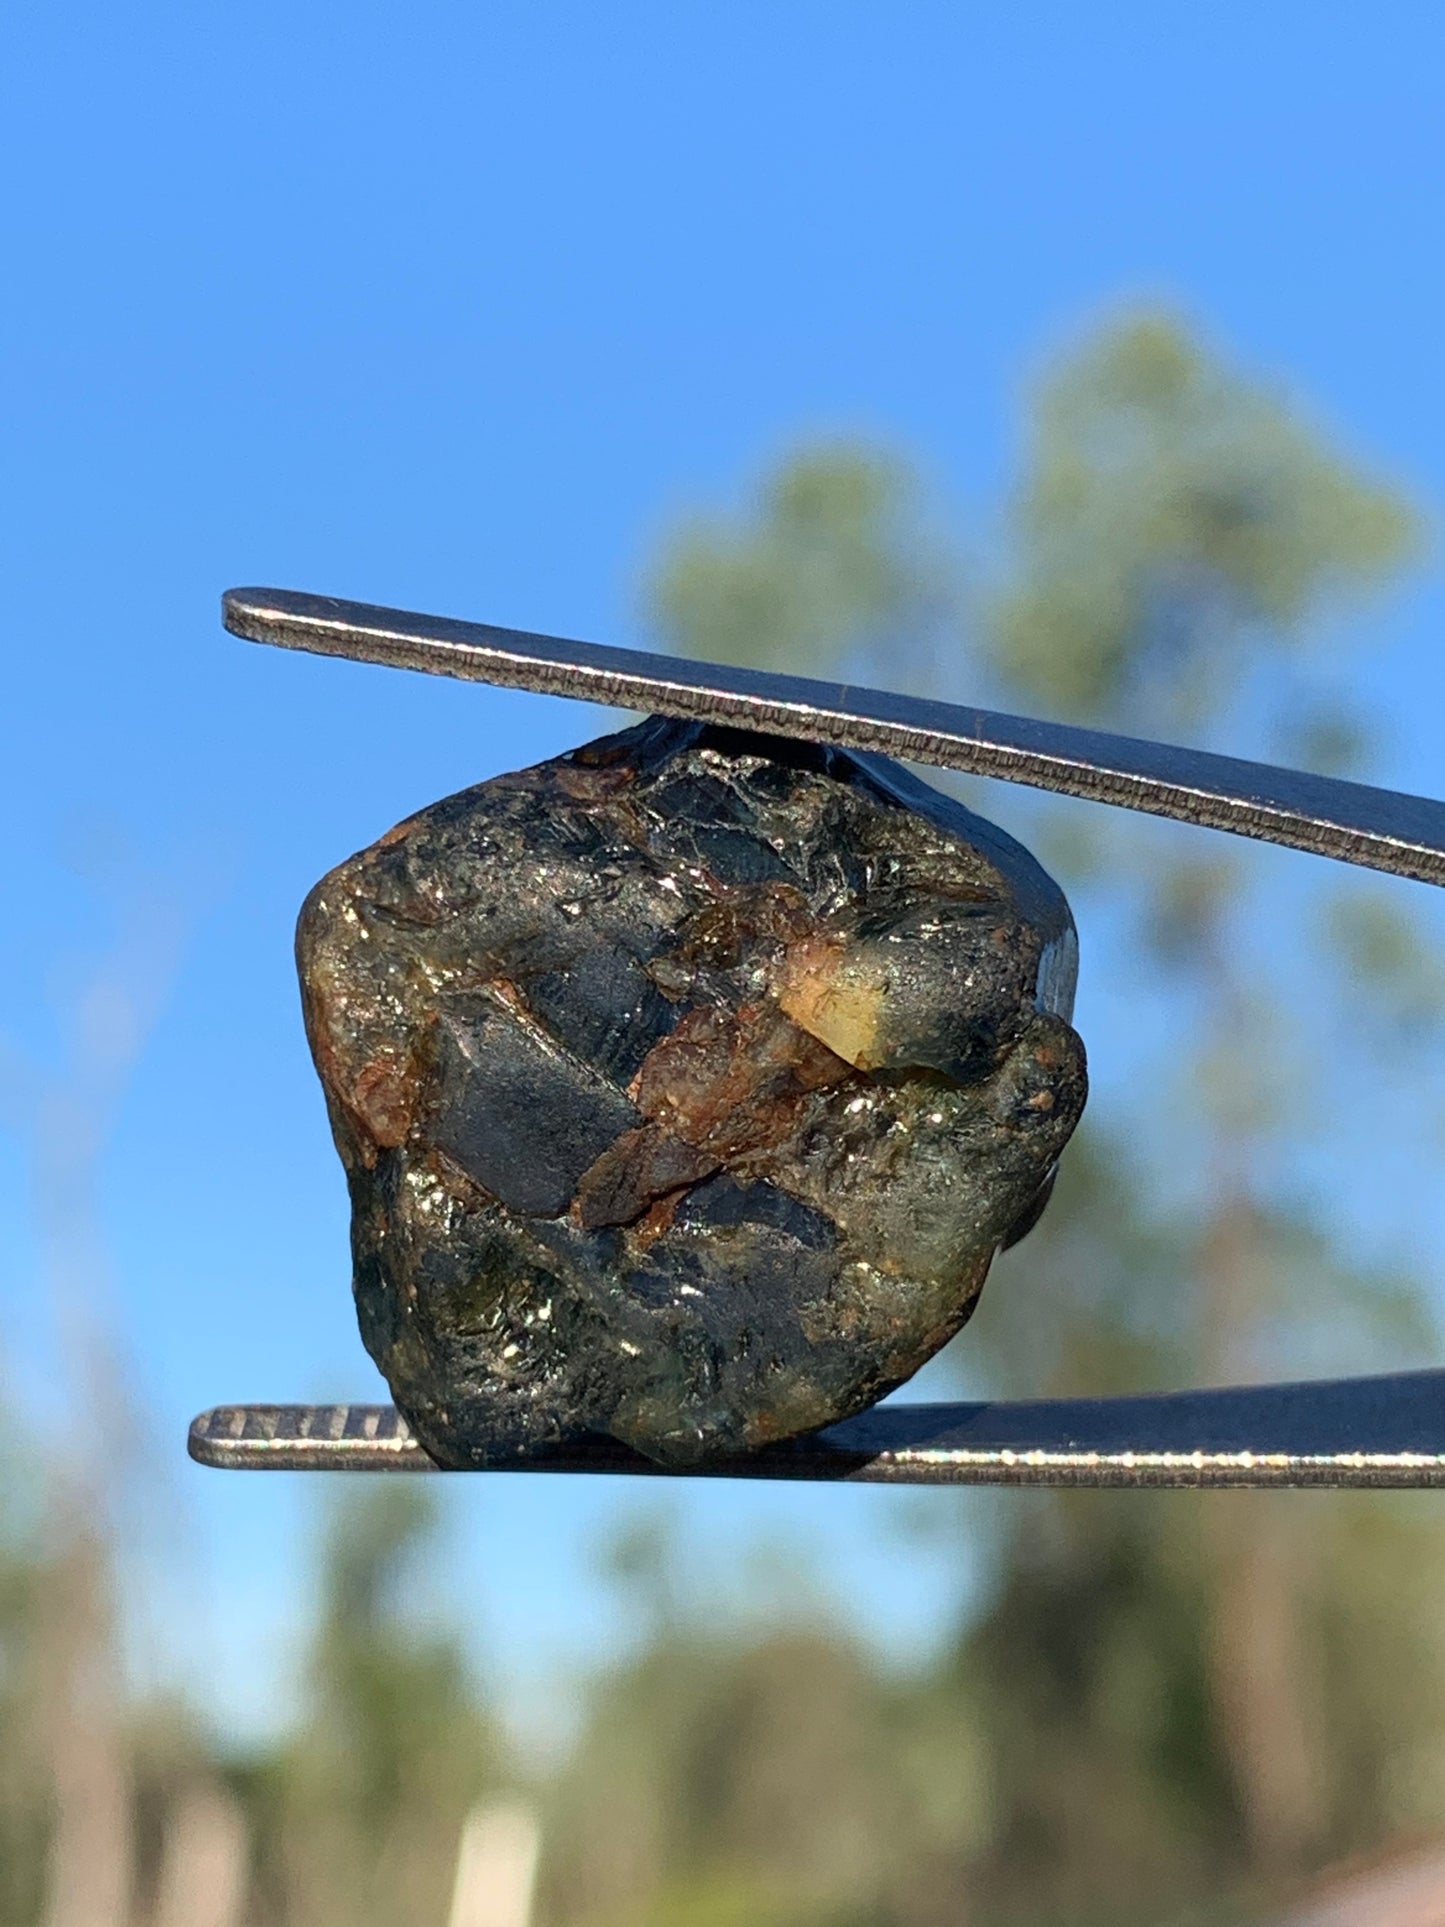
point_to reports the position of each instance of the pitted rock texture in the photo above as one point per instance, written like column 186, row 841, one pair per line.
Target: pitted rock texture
column 686, row 1087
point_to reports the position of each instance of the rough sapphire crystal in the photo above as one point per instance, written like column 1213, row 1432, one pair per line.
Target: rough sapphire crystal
column 686, row 1087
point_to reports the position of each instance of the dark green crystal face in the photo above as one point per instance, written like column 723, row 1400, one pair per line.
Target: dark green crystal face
column 686, row 1087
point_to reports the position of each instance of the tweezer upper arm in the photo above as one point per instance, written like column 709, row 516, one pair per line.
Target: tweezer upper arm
column 1349, row 822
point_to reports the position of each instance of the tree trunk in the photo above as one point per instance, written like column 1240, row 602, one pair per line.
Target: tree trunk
column 90, row 1870
column 1258, row 1676
column 203, row 1868
column 496, row 1868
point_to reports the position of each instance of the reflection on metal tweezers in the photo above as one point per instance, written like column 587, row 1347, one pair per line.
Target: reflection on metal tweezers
column 1385, row 1431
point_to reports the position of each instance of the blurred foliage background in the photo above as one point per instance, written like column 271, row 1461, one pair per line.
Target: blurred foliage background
column 1155, row 1708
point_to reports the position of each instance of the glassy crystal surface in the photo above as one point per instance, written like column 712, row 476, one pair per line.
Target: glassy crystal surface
column 686, row 1086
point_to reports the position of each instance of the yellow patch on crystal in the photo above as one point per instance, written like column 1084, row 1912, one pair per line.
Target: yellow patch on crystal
column 830, row 996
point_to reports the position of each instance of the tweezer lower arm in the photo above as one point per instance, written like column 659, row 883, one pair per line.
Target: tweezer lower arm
column 1349, row 1432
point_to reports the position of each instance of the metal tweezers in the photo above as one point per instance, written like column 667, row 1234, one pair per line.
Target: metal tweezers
column 1380, row 1431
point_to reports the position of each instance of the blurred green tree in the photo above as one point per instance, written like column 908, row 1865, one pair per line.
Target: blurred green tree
column 1180, row 535
column 358, row 1816
column 1174, row 518
column 738, row 1775
column 1170, row 1692
column 835, row 564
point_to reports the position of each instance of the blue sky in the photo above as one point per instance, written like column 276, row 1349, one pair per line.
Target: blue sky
column 453, row 307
